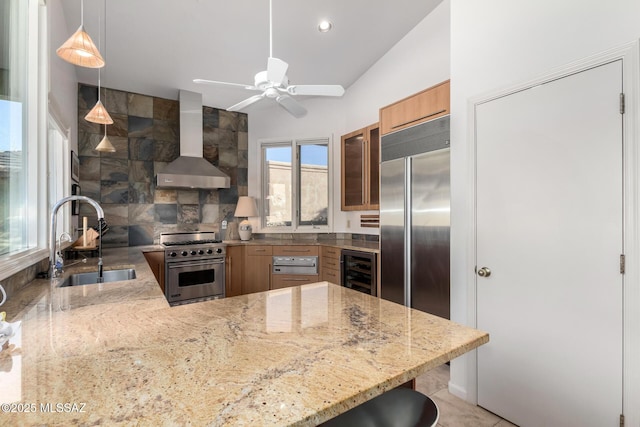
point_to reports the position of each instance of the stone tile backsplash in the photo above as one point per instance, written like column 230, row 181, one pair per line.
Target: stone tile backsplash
column 146, row 134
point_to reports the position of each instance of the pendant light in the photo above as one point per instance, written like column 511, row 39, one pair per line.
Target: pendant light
column 99, row 113
column 79, row 49
column 105, row 145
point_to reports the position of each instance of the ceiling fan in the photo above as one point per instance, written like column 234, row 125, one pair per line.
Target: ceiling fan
column 274, row 84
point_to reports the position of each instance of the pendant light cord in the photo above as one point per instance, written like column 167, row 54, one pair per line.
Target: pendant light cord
column 82, row 13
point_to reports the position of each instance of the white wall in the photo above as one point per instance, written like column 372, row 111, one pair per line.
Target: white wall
column 496, row 43
column 418, row 61
column 63, row 84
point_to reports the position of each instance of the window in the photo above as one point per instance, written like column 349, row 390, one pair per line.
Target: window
column 295, row 184
column 22, row 82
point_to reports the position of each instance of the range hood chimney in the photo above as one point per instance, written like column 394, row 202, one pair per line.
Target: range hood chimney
column 191, row 170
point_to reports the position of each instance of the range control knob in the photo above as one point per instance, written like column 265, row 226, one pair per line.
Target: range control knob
column 184, row 253
column 209, row 251
column 200, row 252
column 173, row 254
column 193, row 252
column 218, row 250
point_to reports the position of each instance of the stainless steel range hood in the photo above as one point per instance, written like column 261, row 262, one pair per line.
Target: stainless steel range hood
column 191, row 170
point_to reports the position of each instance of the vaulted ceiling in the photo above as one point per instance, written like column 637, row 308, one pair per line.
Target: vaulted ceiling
column 157, row 47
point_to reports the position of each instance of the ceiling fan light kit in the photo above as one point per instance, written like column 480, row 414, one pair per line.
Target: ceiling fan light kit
column 274, row 84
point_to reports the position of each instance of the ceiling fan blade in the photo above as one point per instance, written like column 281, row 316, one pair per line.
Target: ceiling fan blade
column 276, row 70
column 316, row 90
column 291, row 105
column 242, row 104
column 215, row 83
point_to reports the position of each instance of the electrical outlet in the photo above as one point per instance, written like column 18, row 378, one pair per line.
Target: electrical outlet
column 224, row 224
column 348, row 223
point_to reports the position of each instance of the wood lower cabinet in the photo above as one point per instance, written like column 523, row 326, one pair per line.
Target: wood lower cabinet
column 295, row 250
column 257, row 269
column 427, row 105
column 155, row 260
column 233, row 273
column 330, row 264
column 279, row 281
column 360, row 169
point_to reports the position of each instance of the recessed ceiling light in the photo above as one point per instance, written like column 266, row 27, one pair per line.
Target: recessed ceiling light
column 325, row 26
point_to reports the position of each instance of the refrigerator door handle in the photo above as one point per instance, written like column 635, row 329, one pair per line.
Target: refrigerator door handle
column 407, row 231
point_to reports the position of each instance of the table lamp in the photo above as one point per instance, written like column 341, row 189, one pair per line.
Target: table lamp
column 246, row 207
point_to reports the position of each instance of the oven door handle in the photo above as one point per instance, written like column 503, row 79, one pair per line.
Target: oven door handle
column 194, row 263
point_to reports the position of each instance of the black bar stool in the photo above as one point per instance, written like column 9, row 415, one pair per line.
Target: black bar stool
column 400, row 407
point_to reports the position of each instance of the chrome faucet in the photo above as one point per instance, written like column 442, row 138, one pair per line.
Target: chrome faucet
column 54, row 271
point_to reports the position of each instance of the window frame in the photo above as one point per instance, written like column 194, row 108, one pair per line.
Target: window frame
column 294, row 144
column 36, row 145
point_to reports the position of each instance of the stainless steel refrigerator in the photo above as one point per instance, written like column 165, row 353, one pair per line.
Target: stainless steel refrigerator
column 414, row 217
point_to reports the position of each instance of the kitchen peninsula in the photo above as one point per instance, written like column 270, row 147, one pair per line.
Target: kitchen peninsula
column 294, row 356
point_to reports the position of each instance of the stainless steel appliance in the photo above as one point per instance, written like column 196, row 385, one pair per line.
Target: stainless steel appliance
column 359, row 271
column 414, row 217
column 295, row 265
column 194, row 266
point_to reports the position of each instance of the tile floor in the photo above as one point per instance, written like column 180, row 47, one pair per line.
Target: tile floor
column 455, row 412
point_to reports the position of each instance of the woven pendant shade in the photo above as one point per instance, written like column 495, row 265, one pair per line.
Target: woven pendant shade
column 80, row 50
column 105, row 145
column 99, row 114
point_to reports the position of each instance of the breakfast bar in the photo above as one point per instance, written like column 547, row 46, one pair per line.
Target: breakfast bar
column 117, row 354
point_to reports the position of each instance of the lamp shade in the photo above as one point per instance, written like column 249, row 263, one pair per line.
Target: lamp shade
column 106, row 146
column 80, row 50
column 246, row 207
column 99, row 114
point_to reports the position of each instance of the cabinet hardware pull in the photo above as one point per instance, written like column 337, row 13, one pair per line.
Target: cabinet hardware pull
column 296, row 250
column 418, row 119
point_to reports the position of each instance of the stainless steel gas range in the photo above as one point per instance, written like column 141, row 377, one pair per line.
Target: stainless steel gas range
column 194, row 266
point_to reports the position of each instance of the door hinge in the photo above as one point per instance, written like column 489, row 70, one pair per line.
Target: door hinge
column 621, row 420
column 622, row 103
column 622, row 264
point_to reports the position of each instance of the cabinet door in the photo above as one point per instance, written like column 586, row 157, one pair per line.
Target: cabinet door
column 257, row 269
column 353, row 170
column 233, row 285
column 429, row 104
column 360, row 164
column 373, row 163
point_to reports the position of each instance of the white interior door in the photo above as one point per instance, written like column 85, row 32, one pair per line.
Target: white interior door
column 549, row 227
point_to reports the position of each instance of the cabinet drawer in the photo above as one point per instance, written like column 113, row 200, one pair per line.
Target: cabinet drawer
column 332, row 263
column 331, row 252
column 258, row 250
column 421, row 107
column 286, row 280
column 309, row 250
column 330, row 275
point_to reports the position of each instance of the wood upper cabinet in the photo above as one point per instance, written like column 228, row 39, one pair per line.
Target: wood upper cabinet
column 257, row 269
column 233, row 275
column 155, row 260
column 429, row 104
column 360, row 166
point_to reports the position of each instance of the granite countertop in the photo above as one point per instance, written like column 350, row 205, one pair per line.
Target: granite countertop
column 358, row 245
column 117, row 354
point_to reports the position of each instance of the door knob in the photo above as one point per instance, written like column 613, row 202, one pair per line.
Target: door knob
column 484, row 272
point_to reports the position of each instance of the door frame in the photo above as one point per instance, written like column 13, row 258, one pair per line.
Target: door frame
column 629, row 54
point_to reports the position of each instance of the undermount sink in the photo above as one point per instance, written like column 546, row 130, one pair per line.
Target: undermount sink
column 92, row 277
